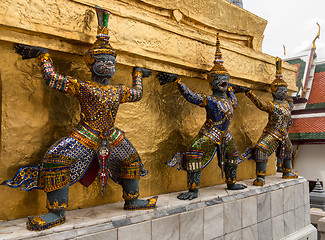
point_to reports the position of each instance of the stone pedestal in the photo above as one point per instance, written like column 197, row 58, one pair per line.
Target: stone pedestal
column 279, row 210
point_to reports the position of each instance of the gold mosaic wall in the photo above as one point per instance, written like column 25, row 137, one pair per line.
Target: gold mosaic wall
column 169, row 35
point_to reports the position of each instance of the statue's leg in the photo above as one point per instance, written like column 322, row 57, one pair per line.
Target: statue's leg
column 131, row 194
column 199, row 155
column 261, row 158
column 193, row 163
column 287, row 162
column 279, row 158
column 279, row 165
column 55, row 178
column 56, row 203
column 125, row 168
column 231, row 165
column 265, row 146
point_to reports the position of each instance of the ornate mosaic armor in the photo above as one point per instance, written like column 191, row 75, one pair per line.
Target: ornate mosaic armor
column 214, row 136
column 213, row 133
column 94, row 147
column 275, row 134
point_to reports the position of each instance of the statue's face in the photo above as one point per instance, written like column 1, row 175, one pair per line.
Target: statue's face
column 220, row 83
column 104, row 65
column 281, row 93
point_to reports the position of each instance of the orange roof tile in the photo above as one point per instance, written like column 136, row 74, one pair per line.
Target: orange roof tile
column 308, row 125
column 317, row 93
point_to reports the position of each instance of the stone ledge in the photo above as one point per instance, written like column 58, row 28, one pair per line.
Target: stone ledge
column 184, row 216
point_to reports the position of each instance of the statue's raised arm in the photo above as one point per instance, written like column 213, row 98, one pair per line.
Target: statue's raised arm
column 188, row 94
column 53, row 79
column 135, row 93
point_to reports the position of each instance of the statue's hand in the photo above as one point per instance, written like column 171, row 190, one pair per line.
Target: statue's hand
column 28, row 52
column 239, row 89
column 145, row 72
column 164, row 77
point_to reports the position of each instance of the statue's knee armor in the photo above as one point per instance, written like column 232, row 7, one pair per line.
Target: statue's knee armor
column 55, row 172
column 193, row 160
column 130, row 170
column 260, row 155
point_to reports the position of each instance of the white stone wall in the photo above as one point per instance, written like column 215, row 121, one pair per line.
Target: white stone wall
column 279, row 210
column 310, row 162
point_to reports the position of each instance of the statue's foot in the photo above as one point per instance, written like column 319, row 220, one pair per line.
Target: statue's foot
column 259, row 181
column 139, row 204
column 279, row 169
column 236, row 186
column 46, row 221
column 188, row 195
column 290, row 175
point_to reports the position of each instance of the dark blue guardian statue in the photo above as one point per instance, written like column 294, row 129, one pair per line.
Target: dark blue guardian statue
column 214, row 136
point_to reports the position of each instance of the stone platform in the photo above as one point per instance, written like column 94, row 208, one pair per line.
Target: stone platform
column 278, row 210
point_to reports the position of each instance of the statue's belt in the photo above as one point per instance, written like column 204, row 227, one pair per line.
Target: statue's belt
column 91, row 138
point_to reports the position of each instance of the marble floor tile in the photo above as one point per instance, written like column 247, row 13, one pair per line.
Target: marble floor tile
column 166, row 228
column 263, row 207
column 214, row 192
column 110, row 234
column 299, row 195
column 264, row 230
column 232, row 216
column 249, row 211
column 250, row 233
column 278, row 227
column 300, row 217
column 289, row 222
column 139, row 231
column 276, row 202
column 191, row 225
column 289, row 198
column 213, row 221
column 234, row 235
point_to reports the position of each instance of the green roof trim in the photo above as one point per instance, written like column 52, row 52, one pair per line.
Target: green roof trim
column 301, row 70
column 315, row 105
column 320, row 68
column 304, row 136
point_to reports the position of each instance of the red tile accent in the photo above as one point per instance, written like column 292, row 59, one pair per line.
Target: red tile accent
column 308, row 125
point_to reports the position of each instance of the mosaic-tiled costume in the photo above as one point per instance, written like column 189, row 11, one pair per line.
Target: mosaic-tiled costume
column 214, row 136
column 94, row 147
column 275, row 134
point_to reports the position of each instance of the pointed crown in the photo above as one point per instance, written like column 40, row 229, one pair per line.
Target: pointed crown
column 218, row 67
column 101, row 45
column 278, row 76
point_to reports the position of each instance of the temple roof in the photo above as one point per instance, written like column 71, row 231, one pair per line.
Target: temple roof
column 309, row 129
column 308, row 115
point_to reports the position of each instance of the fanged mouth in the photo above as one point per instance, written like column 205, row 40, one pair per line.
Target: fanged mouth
column 106, row 70
column 223, row 84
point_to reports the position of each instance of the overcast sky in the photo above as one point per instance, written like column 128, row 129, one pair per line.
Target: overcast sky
column 291, row 23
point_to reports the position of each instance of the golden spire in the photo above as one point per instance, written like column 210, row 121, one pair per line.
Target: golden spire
column 218, row 67
column 278, row 76
column 317, row 36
